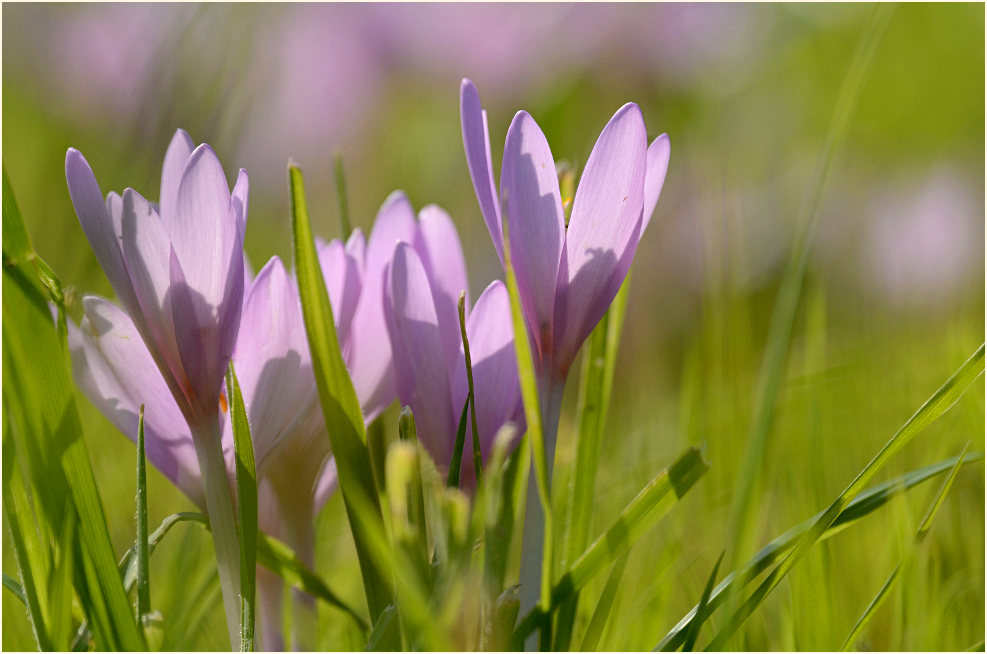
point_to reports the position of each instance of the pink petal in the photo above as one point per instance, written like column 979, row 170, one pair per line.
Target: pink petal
column 476, row 141
column 239, row 200
column 343, row 283
column 437, row 243
column 419, row 367
column 179, row 151
column 537, row 226
column 654, row 176
column 604, row 227
column 356, row 248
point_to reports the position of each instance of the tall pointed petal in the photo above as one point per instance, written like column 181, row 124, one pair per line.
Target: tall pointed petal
column 605, row 222
column 476, row 142
column 239, row 200
column 495, row 374
column 97, row 223
column 536, row 221
column 371, row 367
column 437, row 243
column 116, row 372
column 422, row 379
column 356, row 248
column 343, row 283
column 179, row 150
column 654, row 176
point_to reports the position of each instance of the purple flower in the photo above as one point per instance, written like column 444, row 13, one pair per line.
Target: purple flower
column 422, row 284
column 567, row 274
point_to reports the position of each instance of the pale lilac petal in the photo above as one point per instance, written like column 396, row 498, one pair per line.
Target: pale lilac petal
column 605, row 225
column 239, row 200
column 437, row 243
column 272, row 360
column 370, row 367
column 203, row 230
column 476, row 142
column 422, row 379
column 356, row 247
column 495, row 374
column 654, row 176
column 342, row 278
column 179, row 151
column 326, row 485
column 537, row 225
column 114, row 369
column 98, row 223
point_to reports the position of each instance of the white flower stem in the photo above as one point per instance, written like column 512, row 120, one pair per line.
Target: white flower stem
column 222, row 523
column 532, row 545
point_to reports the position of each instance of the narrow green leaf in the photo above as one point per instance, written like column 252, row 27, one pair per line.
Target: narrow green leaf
column 246, row 504
column 16, row 244
column 455, row 463
column 342, row 203
column 340, row 406
column 940, row 402
column 500, row 496
column 926, row 523
column 60, row 588
column 477, row 454
column 869, row 611
column 143, row 581
column 690, row 639
column 383, row 630
column 651, row 504
column 865, row 504
column 416, row 502
column 598, row 622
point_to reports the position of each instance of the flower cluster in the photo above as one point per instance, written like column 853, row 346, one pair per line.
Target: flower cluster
column 188, row 307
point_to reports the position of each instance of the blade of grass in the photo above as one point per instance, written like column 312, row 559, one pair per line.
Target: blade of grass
column 416, row 502
column 690, row 639
column 786, row 306
column 940, row 402
column 651, row 504
column 342, row 203
column 14, row 587
column 452, row 480
column 477, row 454
column 340, row 405
column 598, row 622
column 246, row 505
column 868, row 613
column 143, row 582
column 866, row 503
column 60, row 588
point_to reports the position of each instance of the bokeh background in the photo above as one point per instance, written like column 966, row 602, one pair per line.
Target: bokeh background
column 894, row 300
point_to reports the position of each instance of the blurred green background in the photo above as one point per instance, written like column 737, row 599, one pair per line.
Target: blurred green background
column 894, row 301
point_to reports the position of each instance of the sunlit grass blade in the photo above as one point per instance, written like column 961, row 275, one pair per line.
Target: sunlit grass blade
column 143, row 563
column 868, row 613
column 477, row 454
column 651, row 504
column 598, row 622
column 416, row 501
column 788, row 300
column 342, row 201
column 383, row 630
column 14, row 587
column 340, row 405
column 690, row 639
column 926, row 523
column 866, row 503
column 940, row 402
column 246, row 505
column 455, row 463
column 60, row 589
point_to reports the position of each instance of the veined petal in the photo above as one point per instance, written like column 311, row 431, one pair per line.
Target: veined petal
column 495, row 375
column 370, row 362
column 98, row 224
column 654, row 176
column 272, row 359
column 437, row 243
column 116, row 371
column 422, row 379
column 605, row 222
column 179, row 151
column 537, row 225
column 204, row 228
column 476, row 142
column 343, row 283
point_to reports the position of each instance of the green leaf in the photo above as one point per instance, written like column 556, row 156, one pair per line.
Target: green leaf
column 407, row 432
column 342, row 204
column 477, row 454
column 598, row 622
column 865, row 504
column 16, row 244
column 690, row 639
column 651, row 504
column 452, row 480
column 384, row 630
column 934, row 407
column 246, row 504
column 340, row 406
column 869, row 611
column 143, row 582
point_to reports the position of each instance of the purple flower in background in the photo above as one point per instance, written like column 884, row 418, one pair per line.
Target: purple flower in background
column 421, row 293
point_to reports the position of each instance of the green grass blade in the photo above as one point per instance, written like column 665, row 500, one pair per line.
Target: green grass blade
column 143, row 563
column 926, row 523
column 690, row 639
column 866, row 503
column 786, row 306
column 940, row 402
column 869, row 611
column 598, row 622
column 60, row 588
column 383, row 630
column 653, row 502
column 342, row 202
column 246, row 505
column 14, row 587
column 455, row 463
column 340, row 406
column 477, row 454
column 416, row 502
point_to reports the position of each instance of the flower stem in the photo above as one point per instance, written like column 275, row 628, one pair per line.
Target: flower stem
column 219, row 505
column 270, row 590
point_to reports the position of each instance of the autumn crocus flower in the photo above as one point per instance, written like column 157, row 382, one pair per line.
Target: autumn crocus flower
column 422, row 285
column 177, row 269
